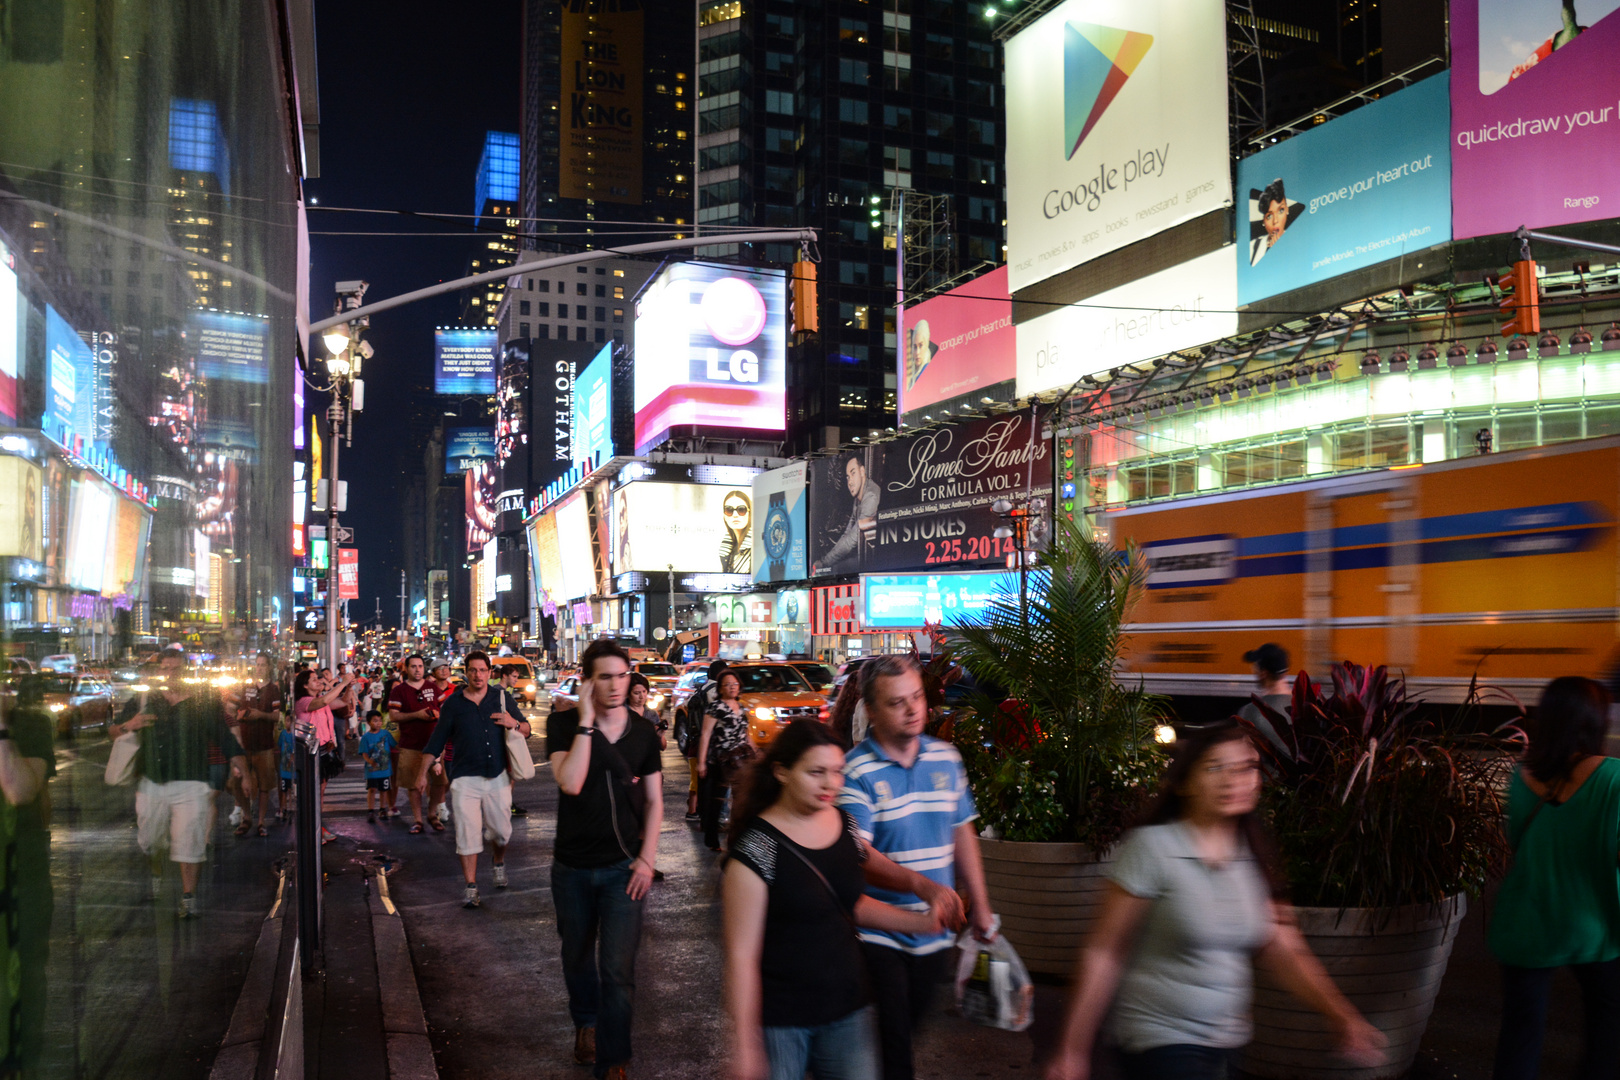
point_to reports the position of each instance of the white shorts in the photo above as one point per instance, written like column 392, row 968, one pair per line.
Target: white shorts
column 482, row 810
column 178, row 815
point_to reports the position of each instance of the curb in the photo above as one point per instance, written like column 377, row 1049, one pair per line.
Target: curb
column 410, row 1054
column 239, row 1051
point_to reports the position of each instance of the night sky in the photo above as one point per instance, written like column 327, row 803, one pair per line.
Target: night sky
column 407, row 91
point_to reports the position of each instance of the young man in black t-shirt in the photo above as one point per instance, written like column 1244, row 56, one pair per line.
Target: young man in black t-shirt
column 606, row 762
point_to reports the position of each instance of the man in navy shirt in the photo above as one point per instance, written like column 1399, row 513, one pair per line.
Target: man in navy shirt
column 474, row 720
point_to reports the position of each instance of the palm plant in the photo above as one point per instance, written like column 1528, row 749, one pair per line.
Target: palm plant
column 1068, row 753
column 1380, row 800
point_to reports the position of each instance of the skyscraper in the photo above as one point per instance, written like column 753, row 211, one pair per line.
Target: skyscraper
column 607, row 120
column 495, row 194
column 817, row 115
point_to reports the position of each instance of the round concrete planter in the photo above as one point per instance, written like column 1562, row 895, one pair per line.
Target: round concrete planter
column 1387, row 963
column 1047, row 895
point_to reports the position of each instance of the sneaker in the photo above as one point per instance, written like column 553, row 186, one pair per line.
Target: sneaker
column 188, row 906
column 371, row 816
column 500, row 875
column 236, row 816
column 693, row 815
column 518, row 811
column 617, row 1072
column 585, row 1046
column 442, row 812
column 470, row 900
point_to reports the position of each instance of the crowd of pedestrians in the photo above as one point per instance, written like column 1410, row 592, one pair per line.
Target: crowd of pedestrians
column 848, row 871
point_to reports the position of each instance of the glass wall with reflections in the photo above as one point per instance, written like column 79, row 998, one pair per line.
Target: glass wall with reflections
column 149, row 265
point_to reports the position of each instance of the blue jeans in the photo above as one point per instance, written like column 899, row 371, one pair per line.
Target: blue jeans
column 845, row 1049
column 593, row 910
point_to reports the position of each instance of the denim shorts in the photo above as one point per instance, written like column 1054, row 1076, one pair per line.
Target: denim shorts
column 845, row 1049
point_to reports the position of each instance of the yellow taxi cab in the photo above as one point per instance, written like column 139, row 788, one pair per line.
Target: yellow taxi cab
column 774, row 694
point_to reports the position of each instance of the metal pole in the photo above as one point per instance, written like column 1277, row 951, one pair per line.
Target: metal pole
column 781, row 235
column 334, row 414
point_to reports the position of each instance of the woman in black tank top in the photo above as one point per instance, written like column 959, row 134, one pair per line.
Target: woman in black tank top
column 793, row 897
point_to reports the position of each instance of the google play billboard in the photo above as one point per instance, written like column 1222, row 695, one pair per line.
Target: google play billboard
column 1139, row 143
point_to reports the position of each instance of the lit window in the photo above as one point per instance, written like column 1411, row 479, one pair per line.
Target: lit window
column 618, row 273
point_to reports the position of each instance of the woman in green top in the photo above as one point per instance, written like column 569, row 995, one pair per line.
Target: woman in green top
column 1560, row 903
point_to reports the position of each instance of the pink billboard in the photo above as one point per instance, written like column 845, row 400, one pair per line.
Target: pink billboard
column 1534, row 127
column 957, row 343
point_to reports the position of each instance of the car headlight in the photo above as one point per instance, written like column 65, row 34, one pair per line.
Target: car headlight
column 656, row 702
column 532, row 688
column 58, row 707
column 765, row 714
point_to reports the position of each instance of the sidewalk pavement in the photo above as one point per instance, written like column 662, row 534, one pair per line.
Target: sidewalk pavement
column 492, row 989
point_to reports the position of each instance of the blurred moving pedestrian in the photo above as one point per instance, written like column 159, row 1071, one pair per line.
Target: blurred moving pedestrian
column 908, row 793
column 27, row 764
column 640, row 691
column 1193, row 903
column 414, row 705
column 723, row 749
column 1560, row 903
column 793, row 895
column 606, row 763
column 1273, row 686
column 475, row 719
column 257, row 718
column 690, row 735
column 180, row 722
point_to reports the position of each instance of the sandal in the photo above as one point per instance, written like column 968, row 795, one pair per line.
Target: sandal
column 242, row 829
column 438, row 826
column 416, row 828
column 264, row 830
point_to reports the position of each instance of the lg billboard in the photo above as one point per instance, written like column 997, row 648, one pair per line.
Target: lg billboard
column 1116, row 128
column 711, row 352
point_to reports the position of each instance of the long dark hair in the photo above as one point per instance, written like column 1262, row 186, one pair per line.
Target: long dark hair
column 301, row 684
column 1169, row 804
column 757, row 787
column 1571, row 722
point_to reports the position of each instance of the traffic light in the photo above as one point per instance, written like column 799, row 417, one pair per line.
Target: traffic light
column 1521, row 301
column 803, row 292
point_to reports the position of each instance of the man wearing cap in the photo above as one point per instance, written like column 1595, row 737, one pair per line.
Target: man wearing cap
column 1276, row 689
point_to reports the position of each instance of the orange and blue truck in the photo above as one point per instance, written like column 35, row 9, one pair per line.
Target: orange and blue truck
column 1502, row 564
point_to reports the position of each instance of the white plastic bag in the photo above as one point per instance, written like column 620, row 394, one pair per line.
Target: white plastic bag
column 992, row 984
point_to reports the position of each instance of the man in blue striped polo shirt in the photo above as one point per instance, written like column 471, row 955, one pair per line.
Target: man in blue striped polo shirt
column 908, row 793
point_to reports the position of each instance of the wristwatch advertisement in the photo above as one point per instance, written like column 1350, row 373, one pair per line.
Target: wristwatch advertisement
column 777, row 535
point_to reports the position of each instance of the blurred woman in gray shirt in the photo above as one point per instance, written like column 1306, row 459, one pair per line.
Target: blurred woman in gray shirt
column 1193, row 903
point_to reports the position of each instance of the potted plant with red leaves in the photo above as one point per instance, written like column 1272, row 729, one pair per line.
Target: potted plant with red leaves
column 1387, row 815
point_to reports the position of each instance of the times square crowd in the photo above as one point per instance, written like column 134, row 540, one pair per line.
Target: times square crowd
column 849, row 859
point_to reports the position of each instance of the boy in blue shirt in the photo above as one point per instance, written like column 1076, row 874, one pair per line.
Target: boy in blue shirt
column 286, row 754
column 375, row 747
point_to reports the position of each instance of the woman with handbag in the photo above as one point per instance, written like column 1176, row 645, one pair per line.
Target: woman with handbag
column 1560, row 902
column 793, row 895
column 723, row 748
column 313, row 695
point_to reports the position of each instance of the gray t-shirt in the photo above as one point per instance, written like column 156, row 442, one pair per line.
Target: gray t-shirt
column 1191, row 977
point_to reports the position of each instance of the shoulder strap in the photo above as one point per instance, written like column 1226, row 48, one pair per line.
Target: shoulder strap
column 814, row 869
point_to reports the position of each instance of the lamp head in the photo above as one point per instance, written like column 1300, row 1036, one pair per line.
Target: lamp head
column 336, row 339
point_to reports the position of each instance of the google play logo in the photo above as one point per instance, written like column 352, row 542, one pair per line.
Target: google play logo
column 1096, row 62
